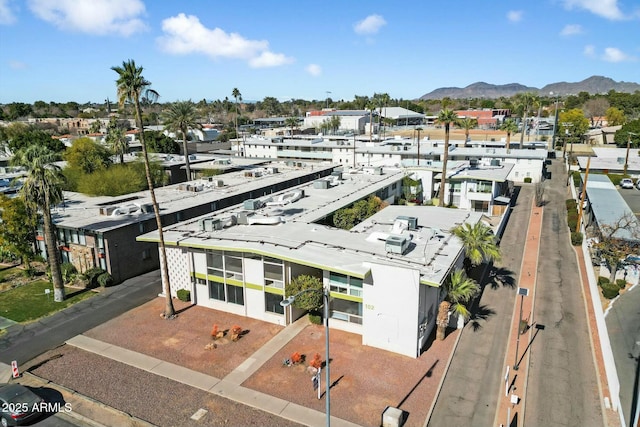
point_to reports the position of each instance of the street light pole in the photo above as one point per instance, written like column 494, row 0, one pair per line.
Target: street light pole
column 626, row 159
column 325, row 296
column 523, row 292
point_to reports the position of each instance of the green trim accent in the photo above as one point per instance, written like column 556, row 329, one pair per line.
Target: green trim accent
column 200, row 275
column 234, row 282
column 338, row 295
column 215, row 279
column 274, row 291
column 253, row 286
column 433, row 284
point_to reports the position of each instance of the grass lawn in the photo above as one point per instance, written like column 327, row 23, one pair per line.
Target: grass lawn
column 28, row 302
column 7, row 271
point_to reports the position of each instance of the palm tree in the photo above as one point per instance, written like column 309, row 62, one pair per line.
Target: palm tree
column 370, row 106
column 460, row 290
column 467, row 124
column 131, row 85
column 524, row 101
column 42, row 189
column 181, row 116
column 445, row 117
column 418, row 129
column 238, row 96
column 117, row 139
column 292, row 122
column 478, row 241
column 510, row 127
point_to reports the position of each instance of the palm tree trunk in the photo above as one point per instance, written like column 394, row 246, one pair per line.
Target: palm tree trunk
column 52, row 254
column 445, row 158
column 185, row 149
column 442, row 321
column 169, row 311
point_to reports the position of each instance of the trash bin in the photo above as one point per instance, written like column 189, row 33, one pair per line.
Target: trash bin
column 392, row 417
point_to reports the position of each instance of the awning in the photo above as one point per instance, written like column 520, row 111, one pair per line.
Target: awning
column 502, row 199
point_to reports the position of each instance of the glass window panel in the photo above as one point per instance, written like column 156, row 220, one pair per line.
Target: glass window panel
column 216, row 291
column 273, row 272
column 272, row 303
column 338, row 278
column 214, row 259
column 235, row 294
column 233, row 264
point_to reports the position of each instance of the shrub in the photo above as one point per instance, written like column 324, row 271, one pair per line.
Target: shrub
column 610, row 290
column 104, row 279
column 571, row 204
column 576, row 238
column 29, row 271
column 67, row 270
column 621, row 283
column 602, row 280
column 184, row 295
column 527, row 180
column 315, row 317
column 92, row 276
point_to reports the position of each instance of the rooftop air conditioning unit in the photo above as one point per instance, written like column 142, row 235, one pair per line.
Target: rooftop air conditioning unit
column 473, row 163
column 396, row 244
column 209, row 224
column 495, row 162
column 321, row 184
column 252, row 204
column 412, row 221
column 107, row 210
column 146, row 208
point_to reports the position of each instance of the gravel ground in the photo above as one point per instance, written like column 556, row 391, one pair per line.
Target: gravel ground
column 153, row 398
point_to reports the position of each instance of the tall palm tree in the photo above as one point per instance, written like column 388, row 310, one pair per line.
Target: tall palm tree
column 131, row 84
column 418, row 130
column 446, row 117
column 117, row 139
column 460, row 290
column 180, row 117
column 510, row 127
column 478, row 241
column 42, row 189
column 467, row 124
column 292, row 122
column 238, row 96
column 524, row 101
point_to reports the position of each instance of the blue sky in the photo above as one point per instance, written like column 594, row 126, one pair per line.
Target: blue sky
column 63, row 50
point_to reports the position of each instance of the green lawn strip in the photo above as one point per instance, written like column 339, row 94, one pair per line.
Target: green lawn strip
column 29, row 302
column 7, row 271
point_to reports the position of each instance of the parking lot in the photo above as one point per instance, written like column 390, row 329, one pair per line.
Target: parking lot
column 632, row 197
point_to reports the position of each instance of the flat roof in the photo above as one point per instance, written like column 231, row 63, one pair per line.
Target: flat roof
column 607, row 204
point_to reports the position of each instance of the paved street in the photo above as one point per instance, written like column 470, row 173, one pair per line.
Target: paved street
column 562, row 389
column 23, row 343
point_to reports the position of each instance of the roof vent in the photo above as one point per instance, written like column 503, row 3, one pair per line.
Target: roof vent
column 396, row 244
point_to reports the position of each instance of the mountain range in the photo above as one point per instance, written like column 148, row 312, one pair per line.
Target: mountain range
column 592, row 85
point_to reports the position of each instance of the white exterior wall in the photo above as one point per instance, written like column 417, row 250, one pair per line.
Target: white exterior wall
column 179, row 271
column 390, row 311
column 523, row 168
column 260, row 150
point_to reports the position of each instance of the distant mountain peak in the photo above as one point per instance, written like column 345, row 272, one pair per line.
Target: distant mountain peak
column 592, row 85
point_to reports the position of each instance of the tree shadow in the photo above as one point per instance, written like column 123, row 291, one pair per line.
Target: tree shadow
column 183, row 309
column 478, row 313
column 427, row 374
column 501, row 277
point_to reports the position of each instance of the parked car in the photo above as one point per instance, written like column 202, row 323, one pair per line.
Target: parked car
column 19, row 405
column 626, row 183
column 638, row 184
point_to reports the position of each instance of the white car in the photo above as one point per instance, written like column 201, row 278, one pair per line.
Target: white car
column 626, row 183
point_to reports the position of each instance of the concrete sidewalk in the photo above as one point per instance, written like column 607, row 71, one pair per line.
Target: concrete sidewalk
column 228, row 387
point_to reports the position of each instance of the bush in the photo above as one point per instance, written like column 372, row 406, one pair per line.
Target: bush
column 184, row 295
column 621, row 283
column 576, row 238
column 602, row 280
column 104, row 280
column 527, row 180
column 610, row 290
column 315, row 317
column 67, row 270
column 92, row 276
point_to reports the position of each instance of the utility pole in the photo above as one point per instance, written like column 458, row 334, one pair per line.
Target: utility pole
column 626, row 159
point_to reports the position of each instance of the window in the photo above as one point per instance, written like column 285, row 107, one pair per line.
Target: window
column 273, row 273
column 355, row 287
column 349, row 311
column 82, row 238
column 235, row 294
column 216, row 291
column 200, row 281
column 456, row 186
column 215, row 263
column 233, row 267
column 338, row 283
column 272, row 303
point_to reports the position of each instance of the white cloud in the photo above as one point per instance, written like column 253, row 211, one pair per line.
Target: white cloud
column 101, row 17
column 6, row 14
column 185, row 34
column 314, row 69
column 17, row 65
column 605, row 8
column 613, row 54
column 571, row 30
column 515, row 15
column 589, row 50
column 369, row 25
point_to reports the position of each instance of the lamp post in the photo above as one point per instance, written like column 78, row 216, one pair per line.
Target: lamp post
column 626, row 159
column 555, row 121
column 418, row 129
column 325, row 294
column 523, row 292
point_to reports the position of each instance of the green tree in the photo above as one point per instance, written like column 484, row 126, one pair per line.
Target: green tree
column 271, row 106
column 292, row 122
column 131, row 85
column 574, row 122
column 95, row 126
column 42, row 189
column 158, row 142
column 616, row 241
column 18, row 110
column 628, row 133
column 524, row 102
column 615, row 116
column 117, row 139
column 478, row 241
column 180, row 117
column 22, row 136
column 87, row 155
column 460, row 289
column 445, row 118
column 18, row 225
column 347, row 218
column 310, row 301
column 467, row 124
column 238, row 97
column 510, row 127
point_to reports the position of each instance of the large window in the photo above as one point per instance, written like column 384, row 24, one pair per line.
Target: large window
column 216, row 291
column 215, row 263
column 345, row 284
column 349, row 311
column 235, row 294
column 273, row 273
column 233, row 267
column 272, row 303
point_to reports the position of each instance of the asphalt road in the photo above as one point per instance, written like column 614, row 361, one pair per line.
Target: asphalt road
column 632, row 197
column 24, row 342
column 562, row 389
column 623, row 324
